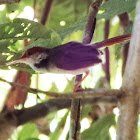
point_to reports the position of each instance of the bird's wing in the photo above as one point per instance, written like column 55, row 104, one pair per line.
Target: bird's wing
column 74, row 55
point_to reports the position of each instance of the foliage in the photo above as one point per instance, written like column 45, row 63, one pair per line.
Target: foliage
column 112, row 8
column 99, row 130
column 73, row 14
column 28, row 131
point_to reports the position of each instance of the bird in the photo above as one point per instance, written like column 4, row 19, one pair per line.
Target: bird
column 70, row 58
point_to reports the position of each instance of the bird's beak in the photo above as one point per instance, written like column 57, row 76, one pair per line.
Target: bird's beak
column 21, row 60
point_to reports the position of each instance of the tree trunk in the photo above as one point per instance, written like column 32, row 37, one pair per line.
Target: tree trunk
column 127, row 123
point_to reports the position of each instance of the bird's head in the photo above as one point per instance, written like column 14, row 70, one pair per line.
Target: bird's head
column 31, row 56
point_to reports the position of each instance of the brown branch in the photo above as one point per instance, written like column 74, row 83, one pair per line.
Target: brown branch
column 46, row 11
column 34, row 8
column 16, row 95
column 127, row 123
column 82, row 94
column 9, row 1
column 125, row 49
column 124, row 22
column 7, row 126
column 75, row 107
column 10, row 120
column 91, row 21
column 75, row 119
column 40, row 110
column 107, row 61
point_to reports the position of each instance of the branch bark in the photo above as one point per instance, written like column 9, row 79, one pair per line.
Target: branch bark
column 107, row 61
column 10, row 120
column 40, row 110
column 75, row 107
column 83, row 94
column 7, row 126
column 124, row 22
column 127, row 123
column 46, row 11
column 16, row 95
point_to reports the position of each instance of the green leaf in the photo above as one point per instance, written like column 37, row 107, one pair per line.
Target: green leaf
column 79, row 25
column 27, row 69
column 86, row 110
column 70, row 85
column 24, row 28
column 4, row 45
column 99, row 130
column 28, row 130
column 54, row 41
column 68, row 11
column 53, row 88
column 138, row 132
column 112, row 8
column 55, row 135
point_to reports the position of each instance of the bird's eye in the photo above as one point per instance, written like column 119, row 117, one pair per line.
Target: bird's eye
column 29, row 53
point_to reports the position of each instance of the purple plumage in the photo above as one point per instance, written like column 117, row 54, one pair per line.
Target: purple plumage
column 74, row 55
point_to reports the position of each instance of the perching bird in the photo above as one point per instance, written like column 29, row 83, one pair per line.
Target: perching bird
column 71, row 58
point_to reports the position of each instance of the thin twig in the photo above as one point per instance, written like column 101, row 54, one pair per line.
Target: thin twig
column 124, row 22
column 107, row 61
column 84, row 94
column 34, row 8
column 46, row 11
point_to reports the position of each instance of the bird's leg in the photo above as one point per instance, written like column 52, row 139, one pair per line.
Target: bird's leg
column 76, row 88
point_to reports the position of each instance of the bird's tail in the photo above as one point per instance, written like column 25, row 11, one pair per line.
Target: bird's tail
column 112, row 41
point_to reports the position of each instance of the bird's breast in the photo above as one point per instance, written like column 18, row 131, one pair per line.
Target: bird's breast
column 54, row 69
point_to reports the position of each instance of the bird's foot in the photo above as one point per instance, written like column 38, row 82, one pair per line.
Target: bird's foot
column 77, row 86
column 76, row 89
